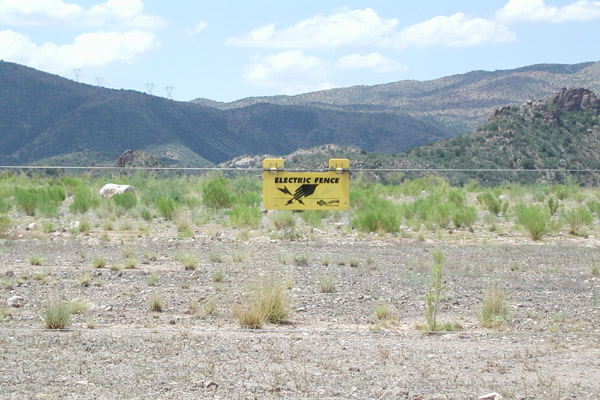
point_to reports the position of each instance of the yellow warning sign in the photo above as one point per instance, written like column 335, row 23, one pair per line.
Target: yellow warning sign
column 306, row 190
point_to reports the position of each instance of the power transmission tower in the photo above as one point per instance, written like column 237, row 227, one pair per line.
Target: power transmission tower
column 76, row 72
column 169, row 91
column 150, row 87
column 99, row 80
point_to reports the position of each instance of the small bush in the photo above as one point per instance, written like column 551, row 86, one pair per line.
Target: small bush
column 242, row 216
column 434, row 294
column 35, row 260
column 577, row 219
column 189, row 261
column 218, row 276
column 99, row 262
column 27, row 200
column 268, row 303
column 57, row 314
column 156, row 304
column 492, row 203
column 126, row 200
column 5, row 224
column 210, row 307
column 216, row 193
column 153, row 279
column 166, row 207
column 380, row 216
column 384, row 313
column 282, row 220
column 494, row 311
column 533, row 219
column 83, row 200
column 216, row 258
column 146, row 215
column 464, row 216
column 327, row 284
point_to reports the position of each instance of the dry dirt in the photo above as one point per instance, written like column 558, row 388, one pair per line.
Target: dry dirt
column 332, row 347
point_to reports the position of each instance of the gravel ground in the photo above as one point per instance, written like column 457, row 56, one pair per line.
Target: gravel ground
column 333, row 345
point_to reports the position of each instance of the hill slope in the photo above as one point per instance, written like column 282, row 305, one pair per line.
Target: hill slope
column 43, row 116
column 456, row 104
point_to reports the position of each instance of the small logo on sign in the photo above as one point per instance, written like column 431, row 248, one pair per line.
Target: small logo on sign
column 303, row 191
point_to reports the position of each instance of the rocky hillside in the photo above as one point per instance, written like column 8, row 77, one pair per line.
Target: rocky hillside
column 46, row 118
column 456, row 104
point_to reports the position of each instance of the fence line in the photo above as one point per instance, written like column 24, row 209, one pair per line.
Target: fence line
column 67, row 167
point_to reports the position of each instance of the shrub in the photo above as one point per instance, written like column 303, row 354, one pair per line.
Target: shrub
column 434, row 294
column 283, row 220
column 313, row 218
column 380, row 216
column 577, row 219
column 242, row 216
column 5, row 223
column 156, row 303
column 533, row 219
column 216, row 193
column 83, row 200
column 464, row 216
column 27, row 200
column 189, row 261
column 492, row 203
column 57, row 314
column 552, row 205
column 146, row 215
column 5, row 205
column 268, row 303
column 35, row 260
column 126, row 200
column 327, row 284
column 153, row 279
column 442, row 214
column 494, row 311
column 99, row 262
column 165, row 207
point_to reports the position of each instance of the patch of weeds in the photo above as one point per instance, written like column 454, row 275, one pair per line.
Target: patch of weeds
column 146, row 214
column 327, row 284
column 494, row 311
column 282, row 258
column 215, row 258
column 353, row 263
column 578, row 219
column 150, row 255
column 48, row 227
column 384, row 315
column 188, row 260
column 216, row 193
column 153, row 279
column 238, row 257
column 534, row 220
column 210, row 307
column 242, row 216
column 184, row 229
column 193, row 307
column 84, row 226
column 218, row 276
column 126, row 200
column 84, row 280
column 56, row 314
column 243, row 235
column 116, row 267
column 131, row 262
column 90, row 323
column 283, row 220
column 78, row 306
column 127, row 252
column 301, row 260
column 166, row 207
column 381, row 216
column 268, row 303
column 35, row 260
column 371, row 263
column 313, row 218
column 156, row 303
column 6, row 285
column 5, row 224
column 493, row 203
column 434, row 294
column 83, row 200
column 99, row 262
column 39, row 276
column 325, row 261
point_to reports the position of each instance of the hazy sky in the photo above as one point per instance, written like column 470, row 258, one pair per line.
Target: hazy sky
column 226, row 50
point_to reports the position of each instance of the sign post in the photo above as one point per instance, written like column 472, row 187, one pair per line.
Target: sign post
column 306, row 190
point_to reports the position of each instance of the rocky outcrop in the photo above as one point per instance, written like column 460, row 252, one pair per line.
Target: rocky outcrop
column 138, row 158
column 575, row 100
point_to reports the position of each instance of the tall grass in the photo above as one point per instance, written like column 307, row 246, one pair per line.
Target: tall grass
column 534, row 219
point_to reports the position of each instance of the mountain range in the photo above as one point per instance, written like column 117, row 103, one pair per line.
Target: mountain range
column 48, row 119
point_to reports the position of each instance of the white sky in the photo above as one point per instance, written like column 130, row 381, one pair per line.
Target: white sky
column 230, row 50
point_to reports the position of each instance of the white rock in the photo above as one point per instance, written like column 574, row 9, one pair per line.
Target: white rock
column 75, row 225
column 491, row 396
column 32, row 227
column 15, row 301
column 110, row 189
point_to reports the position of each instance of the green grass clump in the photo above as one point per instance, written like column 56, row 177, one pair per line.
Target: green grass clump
column 492, row 202
column 578, row 219
column 327, row 284
column 156, row 303
column 533, row 218
column 494, row 311
column 434, row 294
column 189, row 261
column 217, row 194
column 5, row 224
column 242, row 216
column 83, row 200
column 126, row 200
column 464, row 216
column 166, row 207
column 268, row 303
column 57, row 314
column 379, row 215
column 153, row 279
column 99, row 262
column 27, row 200
column 35, row 260
column 283, row 220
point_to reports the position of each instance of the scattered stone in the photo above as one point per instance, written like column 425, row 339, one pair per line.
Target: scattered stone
column 491, row 396
column 32, row 227
column 15, row 301
column 211, row 385
column 110, row 189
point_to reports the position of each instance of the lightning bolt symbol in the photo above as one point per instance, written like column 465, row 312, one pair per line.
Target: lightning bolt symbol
column 285, row 190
